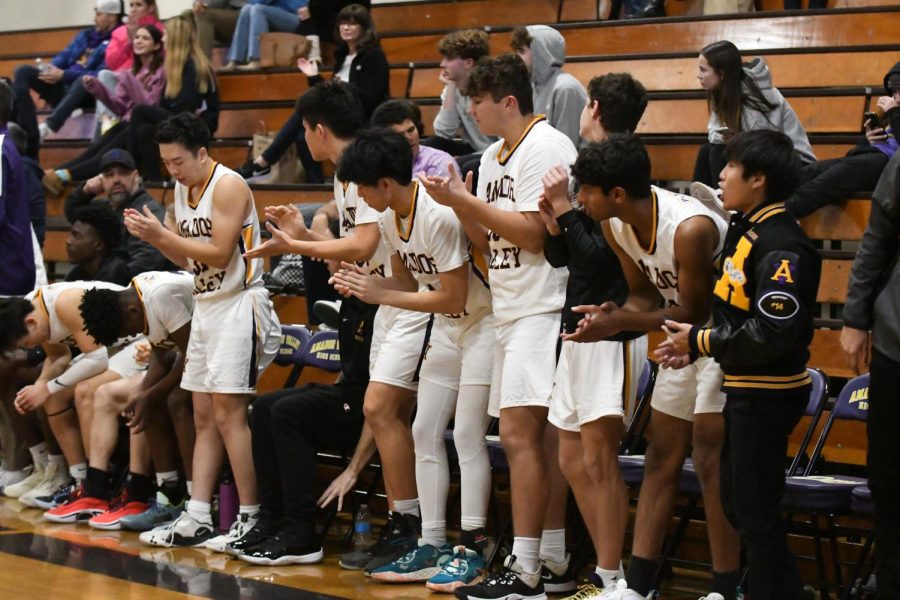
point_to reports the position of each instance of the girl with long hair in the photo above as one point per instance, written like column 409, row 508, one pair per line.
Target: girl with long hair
column 119, row 52
column 741, row 97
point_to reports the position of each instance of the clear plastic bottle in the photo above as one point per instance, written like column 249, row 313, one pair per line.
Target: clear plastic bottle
column 40, row 64
column 362, row 529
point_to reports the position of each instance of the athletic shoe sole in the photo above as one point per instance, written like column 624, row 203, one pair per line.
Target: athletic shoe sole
column 82, row 515
column 449, row 588
column 115, row 526
column 414, row 576
column 288, row 559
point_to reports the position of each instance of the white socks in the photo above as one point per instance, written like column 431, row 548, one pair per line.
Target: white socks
column 39, row 454
column 166, row 476
column 609, row 576
column 553, row 545
column 250, row 510
column 78, row 472
column 190, row 487
column 526, row 551
column 57, row 459
column 435, row 533
column 200, row 511
column 407, row 507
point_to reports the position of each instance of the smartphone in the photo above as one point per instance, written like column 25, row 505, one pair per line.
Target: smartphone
column 872, row 118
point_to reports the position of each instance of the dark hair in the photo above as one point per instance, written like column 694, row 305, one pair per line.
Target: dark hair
column 104, row 221
column 465, row 43
column 394, row 112
column 159, row 54
column 620, row 161
column 622, row 100
column 374, row 154
column 19, row 137
column 6, row 101
column 186, row 129
column 505, row 75
column 771, row 153
column 333, row 104
column 13, row 311
column 357, row 13
column 521, row 38
column 102, row 315
column 728, row 100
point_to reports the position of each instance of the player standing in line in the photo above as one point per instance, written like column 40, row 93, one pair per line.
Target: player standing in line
column 528, row 296
column 596, row 383
column 332, row 114
column 234, row 330
column 432, row 271
column 667, row 244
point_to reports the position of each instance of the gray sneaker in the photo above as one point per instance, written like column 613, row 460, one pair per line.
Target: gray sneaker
column 160, row 511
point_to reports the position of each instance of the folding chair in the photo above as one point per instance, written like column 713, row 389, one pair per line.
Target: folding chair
column 828, row 495
column 293, row 341
column 630, row 464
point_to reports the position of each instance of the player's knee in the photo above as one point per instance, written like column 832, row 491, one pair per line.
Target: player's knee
column 662, row 462
column 84, row 395
column 228, row 416
column 706, row 462
column 601, row 464
column 104, row 401
column 469, row 443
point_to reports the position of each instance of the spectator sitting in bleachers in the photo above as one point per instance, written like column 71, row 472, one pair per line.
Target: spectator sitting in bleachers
column 258, row 17
column 119, row 53
column 557, row 95
column 93, row 246
column 215, row 21
column 405, row 118
column 120, row 184
column 360, row 61
column 741, row 97
column 831, row 181
column 142, row 83
column 58, row 82
column 33, row 172
column 319, row 24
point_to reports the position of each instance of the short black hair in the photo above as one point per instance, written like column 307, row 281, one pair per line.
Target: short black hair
column 6, row 101
column 376, row 153
column 622, row 100
column 186, row 129
column 620, row 161
column 13, row 311
column 771, row 153
column 104, row 221
column 394, row 112
column 335, row 105
column 102, row 315
column 19, row 137
column 505, row 75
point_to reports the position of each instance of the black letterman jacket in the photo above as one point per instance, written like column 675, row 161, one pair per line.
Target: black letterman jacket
column 763, row 303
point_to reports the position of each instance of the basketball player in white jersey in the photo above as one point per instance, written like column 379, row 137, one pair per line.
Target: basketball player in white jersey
column 431, row 271
column 234, row 331
column 158, row 305
column 667, row 244
column 331, row 117
column 528, row 296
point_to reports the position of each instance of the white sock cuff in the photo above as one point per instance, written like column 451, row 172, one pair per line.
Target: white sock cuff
column 199, row 510
column 526, row 552
column 250, row 509
column 164, row 476
column 79, row 471
column 407, row 507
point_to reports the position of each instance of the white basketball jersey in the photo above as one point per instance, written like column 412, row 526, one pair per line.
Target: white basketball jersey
column 353, row 211
column 523, row 283
column 168, row 303
column 47, row 296
column 193, row 217
column 430, row 241
column 658, row 261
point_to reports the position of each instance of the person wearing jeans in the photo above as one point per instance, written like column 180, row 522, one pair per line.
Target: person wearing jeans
column 256, row 18
column 873, row 300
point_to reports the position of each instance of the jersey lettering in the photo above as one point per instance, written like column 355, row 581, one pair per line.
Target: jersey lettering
column 419, row 263
column 663, row 280
column 205, row 282
column 505, row 187
column 196, row 227
column 730, row 286
column 505, row 258
column 349, row 222
column 783, row 273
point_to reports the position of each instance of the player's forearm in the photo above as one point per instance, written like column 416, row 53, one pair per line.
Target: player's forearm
column 515, row 227
column 159, row 382
column 179, row 249
column 652, row 320
column 53, row 367
column 365, row 450
column 346, row 249
column 431, row 301
column 476, row 233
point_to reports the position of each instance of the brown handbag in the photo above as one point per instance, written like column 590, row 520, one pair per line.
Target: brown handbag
column 282, row 49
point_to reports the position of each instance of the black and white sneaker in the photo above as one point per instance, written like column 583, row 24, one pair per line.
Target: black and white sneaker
column 512, row 583
column 558, row 577
column 285, row 549
column 251, row 169
column 265, row 528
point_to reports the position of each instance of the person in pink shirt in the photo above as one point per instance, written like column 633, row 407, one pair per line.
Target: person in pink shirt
column 119, row 52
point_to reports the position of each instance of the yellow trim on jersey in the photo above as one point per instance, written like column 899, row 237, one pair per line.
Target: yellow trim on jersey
column 479, row 265
column 190, row 196
column 509, row 151
column 247, row 235
column 652, row 249
column 769, row 382
column 411, row 216
column 143, row 305
column 40, row 296
column 769, row 211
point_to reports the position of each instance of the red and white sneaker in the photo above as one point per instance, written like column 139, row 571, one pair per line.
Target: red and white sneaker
column 122, row 506
column 78, row 508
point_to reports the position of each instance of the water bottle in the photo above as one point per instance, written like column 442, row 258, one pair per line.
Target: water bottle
column 362, row 529
column 739, row 594
column 41, row 67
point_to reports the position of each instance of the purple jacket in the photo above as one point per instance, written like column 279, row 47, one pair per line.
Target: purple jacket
column 131, row 90
column 432, row 161
column 16, row 251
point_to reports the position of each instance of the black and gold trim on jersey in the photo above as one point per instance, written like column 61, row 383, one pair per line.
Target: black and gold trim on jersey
column 506, row 152
column 245, row 244
column 479, row 265
column 652, row 248
column 767, row 212
column 767, row 382
column 39, row 297
column 190, row 195
column 140, row 296
column 410, row 217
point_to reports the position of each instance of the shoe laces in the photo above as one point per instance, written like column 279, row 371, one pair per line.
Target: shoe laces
column 505, row 576
column 240, row 527
column 169, row 530
column 457, row 565
column 586, row 591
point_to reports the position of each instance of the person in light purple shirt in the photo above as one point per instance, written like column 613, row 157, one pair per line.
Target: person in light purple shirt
column 405, row 118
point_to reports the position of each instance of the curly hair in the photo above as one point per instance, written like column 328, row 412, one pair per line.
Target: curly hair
column 13, row 311
column 465, row 43
column 104, row 221
column 101, row 314
column 622, row 100
column 621, row 161
column 521, row 38
column 505, row 75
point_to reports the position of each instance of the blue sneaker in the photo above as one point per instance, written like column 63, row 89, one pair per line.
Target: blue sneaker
column 418, row 564
column 62, row 495
column 465, row 567
column 160, row 511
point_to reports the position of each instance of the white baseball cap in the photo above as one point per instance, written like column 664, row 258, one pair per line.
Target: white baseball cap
column 111, row 7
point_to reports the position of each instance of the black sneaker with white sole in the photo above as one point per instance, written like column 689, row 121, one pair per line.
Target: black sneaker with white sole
column 511, row 583
column 251, row 169
column 285, row 548
column 558, row 577
column 265, row 528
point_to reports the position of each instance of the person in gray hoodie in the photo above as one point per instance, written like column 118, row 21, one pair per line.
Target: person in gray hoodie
column 557, row 95
column 741, row 97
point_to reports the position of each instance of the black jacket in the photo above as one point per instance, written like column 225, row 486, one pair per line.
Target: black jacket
column 595, row 274
column 369, row 75
column 140, row 256
column 37, row 197
column 873, row 297
column 191, row 99
column 113, row 270
column 763, row 304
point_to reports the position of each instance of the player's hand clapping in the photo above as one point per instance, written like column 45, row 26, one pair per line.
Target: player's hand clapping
column 352, row 280
column 280, row 243
column 598, row 323
column 450, row 191
column 288, row 219
column 674, row 351
column 144, row 226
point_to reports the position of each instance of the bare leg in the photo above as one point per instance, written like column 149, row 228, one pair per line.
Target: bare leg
column 230, row 412
column 209, row 451
column 84, row 401
column 601, row 440
column 522, row 433
column 182, row 414
column 64, row 424
column 555, row 517
column 109, row 401
column 161, row 440
column 571, row 462
column 387, row 409
column 139, row 461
